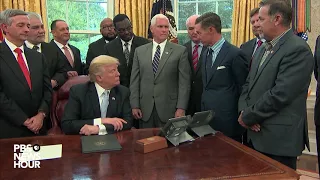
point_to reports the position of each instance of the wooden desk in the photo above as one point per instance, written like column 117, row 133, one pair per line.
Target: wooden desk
column 211, row 157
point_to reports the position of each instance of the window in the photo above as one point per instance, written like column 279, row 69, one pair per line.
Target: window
column 186, row 8
column 83, row 18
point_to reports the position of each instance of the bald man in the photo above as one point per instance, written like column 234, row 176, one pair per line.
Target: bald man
column 97, row 48
column 195, row 52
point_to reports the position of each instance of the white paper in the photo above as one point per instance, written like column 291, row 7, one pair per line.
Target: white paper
column 46, row 152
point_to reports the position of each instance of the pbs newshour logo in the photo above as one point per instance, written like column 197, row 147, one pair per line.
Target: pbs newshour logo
column 26, row 156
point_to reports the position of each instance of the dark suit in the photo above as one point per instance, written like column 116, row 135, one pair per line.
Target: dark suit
column 115, row 49
column 223, row 88
column 83, row 106
column 95, row 49
column 17, row 102
column 248, row 47
column 196, row 81
column 57, row 67
column 317, row 105
column 274, row 97
column 76, row 56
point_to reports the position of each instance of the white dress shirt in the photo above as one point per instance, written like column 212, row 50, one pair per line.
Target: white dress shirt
column 30, row 46
column 154, row 48
column 61, row 48
column 13, row 47
column 124, row 46
column 97, row 121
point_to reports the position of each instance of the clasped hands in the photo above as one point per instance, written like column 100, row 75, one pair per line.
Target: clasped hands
column 35, row 123
column 255, row 127
column 92, row 129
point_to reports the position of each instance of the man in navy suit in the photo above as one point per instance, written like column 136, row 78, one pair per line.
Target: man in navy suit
column 195, row 53
column 101, row 106
column 224, row 71
column 25, row 89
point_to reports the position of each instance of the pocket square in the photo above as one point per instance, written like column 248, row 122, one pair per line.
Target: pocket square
column 221, row 67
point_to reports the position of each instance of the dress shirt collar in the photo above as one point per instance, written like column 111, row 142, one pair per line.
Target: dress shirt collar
column 30, row 45
column 129, row 42
column 193, row 44
column 61, row 45
column 12, row 46
column 276, row 40
column 162, row 45
column 100, row 89
column 218, row 45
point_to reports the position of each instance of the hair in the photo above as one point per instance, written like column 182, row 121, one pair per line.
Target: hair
column 54, row 23
column 154, row 18
column 34, row 15
column 97, row 64
column 6, row 15
column 282, row 7
column 210, row 19
column 187, row 21
column 120, row 17
column 254, row 12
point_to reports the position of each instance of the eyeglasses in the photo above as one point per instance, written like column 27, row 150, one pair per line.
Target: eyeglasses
column 122, row 30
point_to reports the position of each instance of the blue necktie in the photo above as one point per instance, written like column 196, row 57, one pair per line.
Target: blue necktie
column 104, row 103
column 209, row 62
column 156, row 60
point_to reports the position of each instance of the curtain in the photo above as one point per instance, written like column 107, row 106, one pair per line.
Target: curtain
column 38, row 6
column 241, row 27
column 139, row 13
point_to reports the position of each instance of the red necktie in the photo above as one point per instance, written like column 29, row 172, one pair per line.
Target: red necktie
column 23, row 66
column 195, row 57
column 259, row 43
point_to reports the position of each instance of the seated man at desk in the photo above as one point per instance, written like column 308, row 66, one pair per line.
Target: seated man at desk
column 100, row 106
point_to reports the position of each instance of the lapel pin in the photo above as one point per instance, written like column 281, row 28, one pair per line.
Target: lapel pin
column 167, row 53
column 113, row 98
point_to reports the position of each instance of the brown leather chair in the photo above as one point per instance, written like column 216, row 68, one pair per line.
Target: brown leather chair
column 59, row 100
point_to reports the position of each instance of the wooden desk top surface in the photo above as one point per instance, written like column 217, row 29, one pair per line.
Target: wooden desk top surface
column 211, row 157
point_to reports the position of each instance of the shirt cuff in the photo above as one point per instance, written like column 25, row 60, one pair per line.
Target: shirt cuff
column 102, row 130
column 96, row 121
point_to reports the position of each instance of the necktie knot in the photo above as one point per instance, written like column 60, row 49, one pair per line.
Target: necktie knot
column 18, row 51
column 259, row 43
column 35, row 47
column 65, row 48
column 196, row 46
column 210, row 52
column 126, row 44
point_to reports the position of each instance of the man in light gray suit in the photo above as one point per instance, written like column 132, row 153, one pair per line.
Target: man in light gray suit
column 273, row 100
column 160, row 78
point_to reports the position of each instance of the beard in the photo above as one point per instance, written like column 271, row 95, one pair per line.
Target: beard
column 108, row 38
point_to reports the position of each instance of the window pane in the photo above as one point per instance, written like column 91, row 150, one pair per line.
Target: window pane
column 94, row 37
column 56, row 10
column 207, row 7
column 185, row 10
column 227, row 36
column 225, row 13
column 183, row 38
column 77, row 15
column 80, row 41
column 97, row 12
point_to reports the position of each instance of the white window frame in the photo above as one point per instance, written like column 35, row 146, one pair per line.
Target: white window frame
column 110, row 4
column 176, row 13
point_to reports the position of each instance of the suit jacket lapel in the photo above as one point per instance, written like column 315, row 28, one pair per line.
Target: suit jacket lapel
column 94, row 99
column 269, row 57
column 223, row 52
column 200, row 57
column 204, row 61
column 164, row 57
column 12, row 62
column 189, row 50
column 119, row 50
column 113, row 98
